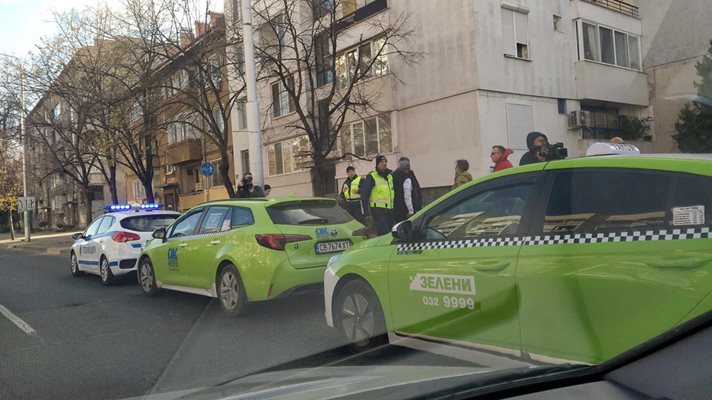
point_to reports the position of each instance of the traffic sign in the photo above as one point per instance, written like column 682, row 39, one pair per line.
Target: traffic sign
column 25, row 204
column 207, row 169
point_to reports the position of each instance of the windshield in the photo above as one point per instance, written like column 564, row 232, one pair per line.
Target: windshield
column 148, row 223
column 372, row 197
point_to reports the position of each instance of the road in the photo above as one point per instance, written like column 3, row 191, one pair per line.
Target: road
column 86, row 341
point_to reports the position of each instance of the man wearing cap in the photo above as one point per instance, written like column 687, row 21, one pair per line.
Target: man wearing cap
column 350, row 194
column 377, row 195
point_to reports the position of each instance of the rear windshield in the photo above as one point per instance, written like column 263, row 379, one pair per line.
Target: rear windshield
column 308, row 214
column 148, row 223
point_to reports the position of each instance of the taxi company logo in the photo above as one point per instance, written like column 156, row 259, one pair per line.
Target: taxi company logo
column 322, row 232
column 334, row 232
column 172, row 258
column 453, row 284
column 87, row 250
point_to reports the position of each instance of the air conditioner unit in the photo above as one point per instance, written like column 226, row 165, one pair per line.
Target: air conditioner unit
column 579, row 119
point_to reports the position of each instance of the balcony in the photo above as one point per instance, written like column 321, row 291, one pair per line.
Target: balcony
column 595, row 81
column 360, row 14
column 184, row 152
column 617, row 6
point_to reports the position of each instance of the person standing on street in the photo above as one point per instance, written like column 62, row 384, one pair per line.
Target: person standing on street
column 499, row 157
column 350, row 195
column 377, row 193
column 461, row 174
column 408, row 199
column 246, row 189
column 535, row 142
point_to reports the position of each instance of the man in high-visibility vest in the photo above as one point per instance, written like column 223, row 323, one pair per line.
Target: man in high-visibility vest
column 351, row 196
column 377, row 195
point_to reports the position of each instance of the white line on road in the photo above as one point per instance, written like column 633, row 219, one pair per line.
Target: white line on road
column 17, row 321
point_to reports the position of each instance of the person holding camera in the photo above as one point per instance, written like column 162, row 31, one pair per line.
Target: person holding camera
column 246, row 189
column 536, row 142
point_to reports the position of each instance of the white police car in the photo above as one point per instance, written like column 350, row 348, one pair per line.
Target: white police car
column 110, row 246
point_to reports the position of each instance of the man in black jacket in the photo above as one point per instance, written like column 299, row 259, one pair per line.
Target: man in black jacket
column 535, row 142
column 408, row 197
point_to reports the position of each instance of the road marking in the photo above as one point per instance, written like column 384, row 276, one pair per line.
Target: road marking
column 17, row 321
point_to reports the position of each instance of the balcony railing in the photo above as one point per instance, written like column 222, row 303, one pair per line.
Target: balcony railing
column 618, row 6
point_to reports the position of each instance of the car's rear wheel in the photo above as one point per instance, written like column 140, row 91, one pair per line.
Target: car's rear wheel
column 74, row 265
column 359, row 316
column 107, row 278
column 231, row 291
column 147, row 278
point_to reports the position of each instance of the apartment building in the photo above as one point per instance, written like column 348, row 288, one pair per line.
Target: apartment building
column 677, row 35
column 180, row 139
column 491, row 72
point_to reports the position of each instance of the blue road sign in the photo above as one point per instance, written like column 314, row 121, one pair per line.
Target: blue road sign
column 207, row 169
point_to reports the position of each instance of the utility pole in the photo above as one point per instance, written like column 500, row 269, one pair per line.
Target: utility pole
column 253, row 108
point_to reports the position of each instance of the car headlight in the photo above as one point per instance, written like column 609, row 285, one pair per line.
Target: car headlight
column 332, row 260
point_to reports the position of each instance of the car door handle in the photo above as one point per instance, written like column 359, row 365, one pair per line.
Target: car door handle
column 685, row 263
column 183, row 245
column 491, row 266
column 215, row 242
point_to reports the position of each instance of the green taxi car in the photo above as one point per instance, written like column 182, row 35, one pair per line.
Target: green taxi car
column 573, row 260
column 243, row 251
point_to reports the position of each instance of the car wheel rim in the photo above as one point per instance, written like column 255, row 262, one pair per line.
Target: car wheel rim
column 146, row 278
column 229, row 293
column 104, row 270
column 357, row 319
column 74, row 264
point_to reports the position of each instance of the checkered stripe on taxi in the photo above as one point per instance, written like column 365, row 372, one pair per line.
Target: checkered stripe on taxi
column 578, row 238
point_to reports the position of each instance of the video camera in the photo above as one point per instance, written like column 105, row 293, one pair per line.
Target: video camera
column 247, row 184
column 552, row 152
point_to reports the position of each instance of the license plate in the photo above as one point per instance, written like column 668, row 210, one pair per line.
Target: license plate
column 332, row 247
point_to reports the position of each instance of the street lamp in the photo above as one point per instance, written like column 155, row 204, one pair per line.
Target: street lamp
column 25, row 143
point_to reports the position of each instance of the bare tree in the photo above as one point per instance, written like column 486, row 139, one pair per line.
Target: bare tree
column 300, row 49
column 10, row 162
column 205, row 101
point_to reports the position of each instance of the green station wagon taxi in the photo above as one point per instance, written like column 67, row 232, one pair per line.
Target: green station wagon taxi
column 243, row 251
column 573, row 260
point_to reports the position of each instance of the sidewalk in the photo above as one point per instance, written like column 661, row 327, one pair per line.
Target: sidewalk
column 50, row 243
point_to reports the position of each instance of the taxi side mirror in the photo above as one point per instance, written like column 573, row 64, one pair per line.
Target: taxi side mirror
column 159, row 234
column 403, row 231
column 77, row 236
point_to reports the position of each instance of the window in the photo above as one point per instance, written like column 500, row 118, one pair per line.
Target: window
column 105, row 225
column 236, row 10
column 136, row 111
column 170, row 168
column 515, row 33
column 609, row 46
column 148, row 223
column 169, row 87
column 322, row 8
column 215, row 72
column 186, row 225
column 561, row 103
column 368, row 137
column 93, row 228
column 282, row 101
column 605, row 122
column 245, row 160
column 605, row 201
column 242, row 217
column 491, row 213
column 692, row 201
column 353, row 64
column 242, row 113
column 322, row 49
column 179, row 132
column 557, row 24
column 217, row 179
column 180, row 79
column 217, row 219
column 279, row 157
column 308, row 213
column 57, row 112
column 218, row 116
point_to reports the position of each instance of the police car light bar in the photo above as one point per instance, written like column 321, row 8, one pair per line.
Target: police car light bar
column 117, row 207
column 151, row 206
column 606, row 149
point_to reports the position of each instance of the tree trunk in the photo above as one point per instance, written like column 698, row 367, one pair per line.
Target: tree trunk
column 323, row 175
column 224, row 172
column 12, row 225
column 112, row 184
column 87, row 205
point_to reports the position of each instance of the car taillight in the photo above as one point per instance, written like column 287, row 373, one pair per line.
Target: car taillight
column 278, row 241
column 123, row 237
column 361, row 232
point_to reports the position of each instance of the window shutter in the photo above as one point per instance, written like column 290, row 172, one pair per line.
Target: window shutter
column 522, row 28
column 508, row 32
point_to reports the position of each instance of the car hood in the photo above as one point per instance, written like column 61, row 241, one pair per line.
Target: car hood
column 383, row 382
column 384, row 240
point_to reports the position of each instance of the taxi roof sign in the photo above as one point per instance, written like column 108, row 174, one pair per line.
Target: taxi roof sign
column 606, row 149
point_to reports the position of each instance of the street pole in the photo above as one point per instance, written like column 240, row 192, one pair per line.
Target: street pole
column 253, row 109
column 25, row 147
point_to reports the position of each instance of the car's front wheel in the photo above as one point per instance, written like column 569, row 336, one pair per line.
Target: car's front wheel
column 147, row 278
column 359, row 316
column 74, row 265
column 231, row 291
